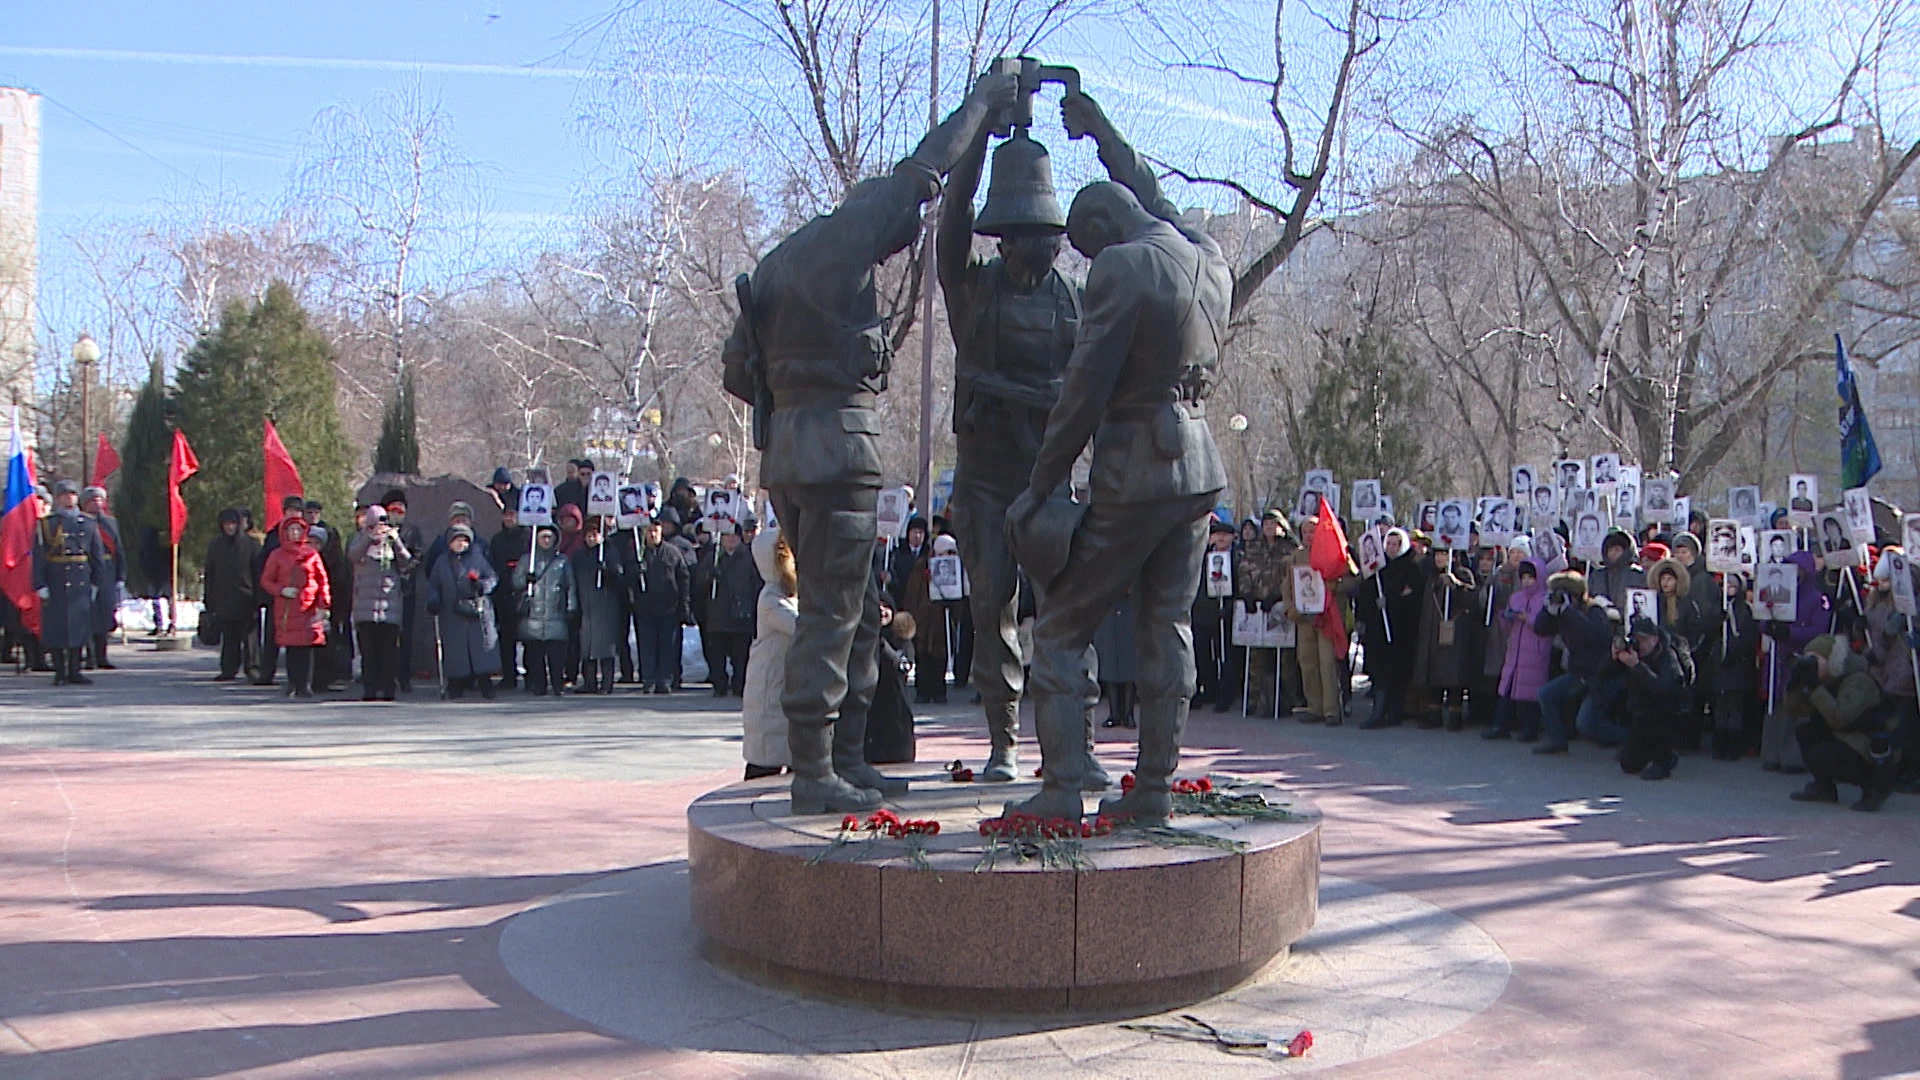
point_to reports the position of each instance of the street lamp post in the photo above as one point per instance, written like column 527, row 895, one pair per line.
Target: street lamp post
column 1237, row 423
column 86, row 353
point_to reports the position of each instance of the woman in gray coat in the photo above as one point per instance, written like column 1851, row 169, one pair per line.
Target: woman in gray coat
column 600, row 580
column 380, row 560
column 459, row 591
column 548, row 601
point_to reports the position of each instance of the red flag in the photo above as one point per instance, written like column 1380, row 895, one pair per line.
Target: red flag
column 1329, row 553
column 105, row 462
column 283, row 479
column 180, row 468
column 1328, row 557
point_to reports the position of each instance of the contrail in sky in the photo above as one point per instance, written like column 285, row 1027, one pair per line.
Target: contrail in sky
column 327, row 63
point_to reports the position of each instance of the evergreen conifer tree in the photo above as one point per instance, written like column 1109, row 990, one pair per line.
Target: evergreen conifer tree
column 265, row 360
column 398, row 450
column 1364, row 420
column 140, row 486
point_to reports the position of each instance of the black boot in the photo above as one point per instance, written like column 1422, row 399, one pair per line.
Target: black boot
column 74, row 678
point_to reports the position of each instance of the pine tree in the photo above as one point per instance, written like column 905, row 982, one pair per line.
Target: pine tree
column 265, row 360
column 1364, row 420
column 398, row 450
column 140, row 487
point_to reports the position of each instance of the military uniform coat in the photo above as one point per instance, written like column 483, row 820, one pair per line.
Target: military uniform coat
column 106, row 605
column 70, row 563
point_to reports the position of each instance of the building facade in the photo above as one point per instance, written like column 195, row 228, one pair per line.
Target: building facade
column 19, row 241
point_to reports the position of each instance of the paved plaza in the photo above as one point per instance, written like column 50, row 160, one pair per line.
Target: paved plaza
column 202, row 880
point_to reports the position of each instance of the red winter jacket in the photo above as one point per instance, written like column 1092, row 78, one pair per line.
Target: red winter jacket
column 299, row 620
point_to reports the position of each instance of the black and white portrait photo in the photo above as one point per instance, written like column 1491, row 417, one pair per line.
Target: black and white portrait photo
column 1859, row 507
column 536, row 505
column 1366, row 499
column 1545, row 507
column 1569, row 474
column 1454, row 531
column 633, row 506
column 603, row 498
column 1429, row 517
column 1656, row 500
column 1836, row 543
column 1776, row 591
column 1641, row 604
column 1775, row 545
column 1373, row 554
column 1803, row 495
column 1318, row 480
column 1589, row 531
column 1606, row 470
column 1743, row 505
column 1498, row 527
column 1523, row 483
column 1723, row 546
column 1549, row 550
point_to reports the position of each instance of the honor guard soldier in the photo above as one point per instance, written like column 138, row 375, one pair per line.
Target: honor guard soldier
column 70, row 570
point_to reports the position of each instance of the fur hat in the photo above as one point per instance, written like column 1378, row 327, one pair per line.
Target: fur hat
column 1571, row 582
column 1682, row 580
column 904, row 626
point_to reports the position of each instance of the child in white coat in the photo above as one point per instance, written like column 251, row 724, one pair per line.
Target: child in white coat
column 765, row 723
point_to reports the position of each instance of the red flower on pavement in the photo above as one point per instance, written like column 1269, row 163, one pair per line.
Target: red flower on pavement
column 1301, row 1043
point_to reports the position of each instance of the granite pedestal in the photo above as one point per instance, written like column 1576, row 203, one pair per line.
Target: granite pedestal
column 1143, row 923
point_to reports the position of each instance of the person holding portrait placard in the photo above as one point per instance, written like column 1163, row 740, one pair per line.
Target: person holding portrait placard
column 1729, row 670
column 1890, row 660
column 1441, row 655
column 1388, row 608
column 1216, row 675
column 1264, row 565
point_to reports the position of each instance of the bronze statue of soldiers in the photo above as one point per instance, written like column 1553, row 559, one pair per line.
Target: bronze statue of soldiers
column 1154, row 312
column 811, row 346
column 1014, row 319
column 71, row 573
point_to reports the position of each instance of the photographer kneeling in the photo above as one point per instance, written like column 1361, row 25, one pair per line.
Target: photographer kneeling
column 1657, row 699
column 1840, row 725
column 1584, row 628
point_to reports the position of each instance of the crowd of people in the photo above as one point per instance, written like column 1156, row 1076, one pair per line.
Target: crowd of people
column 1520, row 644
column 1525, row 646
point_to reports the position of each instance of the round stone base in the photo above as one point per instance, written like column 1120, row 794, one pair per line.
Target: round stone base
column 1134, row 921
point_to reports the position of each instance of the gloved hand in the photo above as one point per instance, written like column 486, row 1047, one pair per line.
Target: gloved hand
column 1913, row 640
column 289, row 592
column 43, row 593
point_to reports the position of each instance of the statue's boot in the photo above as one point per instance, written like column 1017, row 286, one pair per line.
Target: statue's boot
column 816, row 788
column 1003, row 721
column 1163, row 722
column 1058, row 720
column 850, row 756
column 1095, row 777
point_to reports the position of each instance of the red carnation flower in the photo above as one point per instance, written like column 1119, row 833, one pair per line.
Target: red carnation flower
column 1301, row 1043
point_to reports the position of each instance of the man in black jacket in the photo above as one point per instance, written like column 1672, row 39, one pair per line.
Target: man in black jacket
column 1657, row 699
column 733, row 587
column 658, row 595
column 509, row 548
column 227, row 585
column 1587, row 632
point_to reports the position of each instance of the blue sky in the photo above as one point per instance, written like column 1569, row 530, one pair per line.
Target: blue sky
column 148, row 103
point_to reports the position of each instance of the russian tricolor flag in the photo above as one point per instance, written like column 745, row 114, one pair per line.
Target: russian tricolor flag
column 21, row 514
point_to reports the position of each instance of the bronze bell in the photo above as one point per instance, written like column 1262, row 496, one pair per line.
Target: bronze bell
column 1020, row 195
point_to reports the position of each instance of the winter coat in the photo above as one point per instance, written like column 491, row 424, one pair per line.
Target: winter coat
column 226, row 576
column 70, row 563
column 1888, row 659
column 1732, row 651
column 763, row 720
column 659, row 585
column 106, row 604
column 333, row 556
column 929, row 615
column 1529, row 653
column 1812, row 617
column 299, row 621
column 1114, row 645
column 600, row 580
column 544, row 596
column 1680, row 613
column 1583, row 629
column 1612, row 580
column 1441, row 653
column 890, row 735
column 378, row 568
column 1333, row 622
column 459, row 591
column 732, row 591
column 1844, row 698
column 1492, row 628
column 1403, row 582
column 1655, row 685
column 506, row 551
column 902, row 561
column 439, row 548
column 1259, row 572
